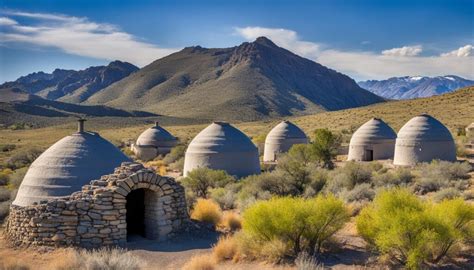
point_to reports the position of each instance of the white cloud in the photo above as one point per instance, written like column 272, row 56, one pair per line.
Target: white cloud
column 82, row 37
column 404, row 51
column 364, row 65
column 7, row 21
column 464, row 51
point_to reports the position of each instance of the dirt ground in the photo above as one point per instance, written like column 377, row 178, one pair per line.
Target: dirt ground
column 173, row 254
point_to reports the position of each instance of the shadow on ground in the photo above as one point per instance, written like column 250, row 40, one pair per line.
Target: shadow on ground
column 182, row 242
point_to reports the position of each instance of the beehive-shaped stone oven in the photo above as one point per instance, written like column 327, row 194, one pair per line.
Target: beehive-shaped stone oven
column 153, row 142
column 220, row 146
column 281, row 138
column 374, row 140
column 423, row 139
column 106, row 210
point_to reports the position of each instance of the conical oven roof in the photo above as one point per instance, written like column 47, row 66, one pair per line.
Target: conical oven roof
column 372, row 131
column 67, row 165
column 221, row 146
column 155, row 136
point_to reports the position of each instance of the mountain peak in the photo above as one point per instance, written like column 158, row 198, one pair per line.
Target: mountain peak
column 265, row 41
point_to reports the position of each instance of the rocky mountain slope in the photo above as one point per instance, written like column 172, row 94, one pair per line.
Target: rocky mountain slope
column 70, row 85
column 252, row 81
column 415, row 87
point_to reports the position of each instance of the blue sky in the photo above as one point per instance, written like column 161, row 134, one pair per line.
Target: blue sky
column 364, row 39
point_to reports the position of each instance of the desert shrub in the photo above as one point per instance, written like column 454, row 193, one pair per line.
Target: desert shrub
column 461, row 150
column 362, row 192
column 261, row 185
column 207, row 210
column 347, row 177
column 412, row 231
column 325, row 146
column 304, row 261
column 442, row 174
column 274, row 250
column 4, row 210
column 128, row 152
column 200, row 262
column 404, row 176
column 225, row 197
column 200, row 180
column 295, row 168
column 23, row 159
column 99, row 259
column 396, row 178
column 231, row 221
column 304, row 224
column 447, row 193
column 175, row 154
column 225, row 249
column 468, row 195
column 16, row 178
column 178, row 165
column 259, row 141
column 318, row 179
column 7, row 147
column 4, row 178
column 5, row 194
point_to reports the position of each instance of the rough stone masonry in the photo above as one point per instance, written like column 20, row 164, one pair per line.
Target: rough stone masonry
column 96, row 216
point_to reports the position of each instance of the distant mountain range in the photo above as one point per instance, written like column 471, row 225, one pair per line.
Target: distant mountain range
column 415, row 87
column 251, row 81
column 70, row 85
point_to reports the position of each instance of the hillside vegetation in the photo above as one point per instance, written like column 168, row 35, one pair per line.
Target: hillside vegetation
column 455, row 110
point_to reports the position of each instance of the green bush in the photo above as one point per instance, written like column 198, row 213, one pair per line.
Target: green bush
column 412, row 231
column 200, row 180
column 303, row 224
column 226, row 196
column 299, row 173
column 175, row 154
column 347, row 177
column 325, row 146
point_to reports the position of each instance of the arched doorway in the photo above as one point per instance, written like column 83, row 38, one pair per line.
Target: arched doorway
column 143, row 210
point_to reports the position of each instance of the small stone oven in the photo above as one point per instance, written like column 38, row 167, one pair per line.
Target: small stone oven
column 132, row 200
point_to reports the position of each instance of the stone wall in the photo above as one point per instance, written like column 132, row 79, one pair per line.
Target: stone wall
column 96, row 216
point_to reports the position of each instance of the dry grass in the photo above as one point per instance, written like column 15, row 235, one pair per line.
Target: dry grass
column 101, row 259
column 201, row 262
column 455, row 110
column 207, row 210
column 225, row 249
column 231, row 221
column 13, row 263
column 274, row 251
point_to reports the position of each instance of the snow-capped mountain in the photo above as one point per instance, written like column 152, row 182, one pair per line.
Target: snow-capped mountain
column 414, row 87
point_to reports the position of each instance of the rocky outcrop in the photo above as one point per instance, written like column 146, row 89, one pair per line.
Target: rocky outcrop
column 96, row 216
